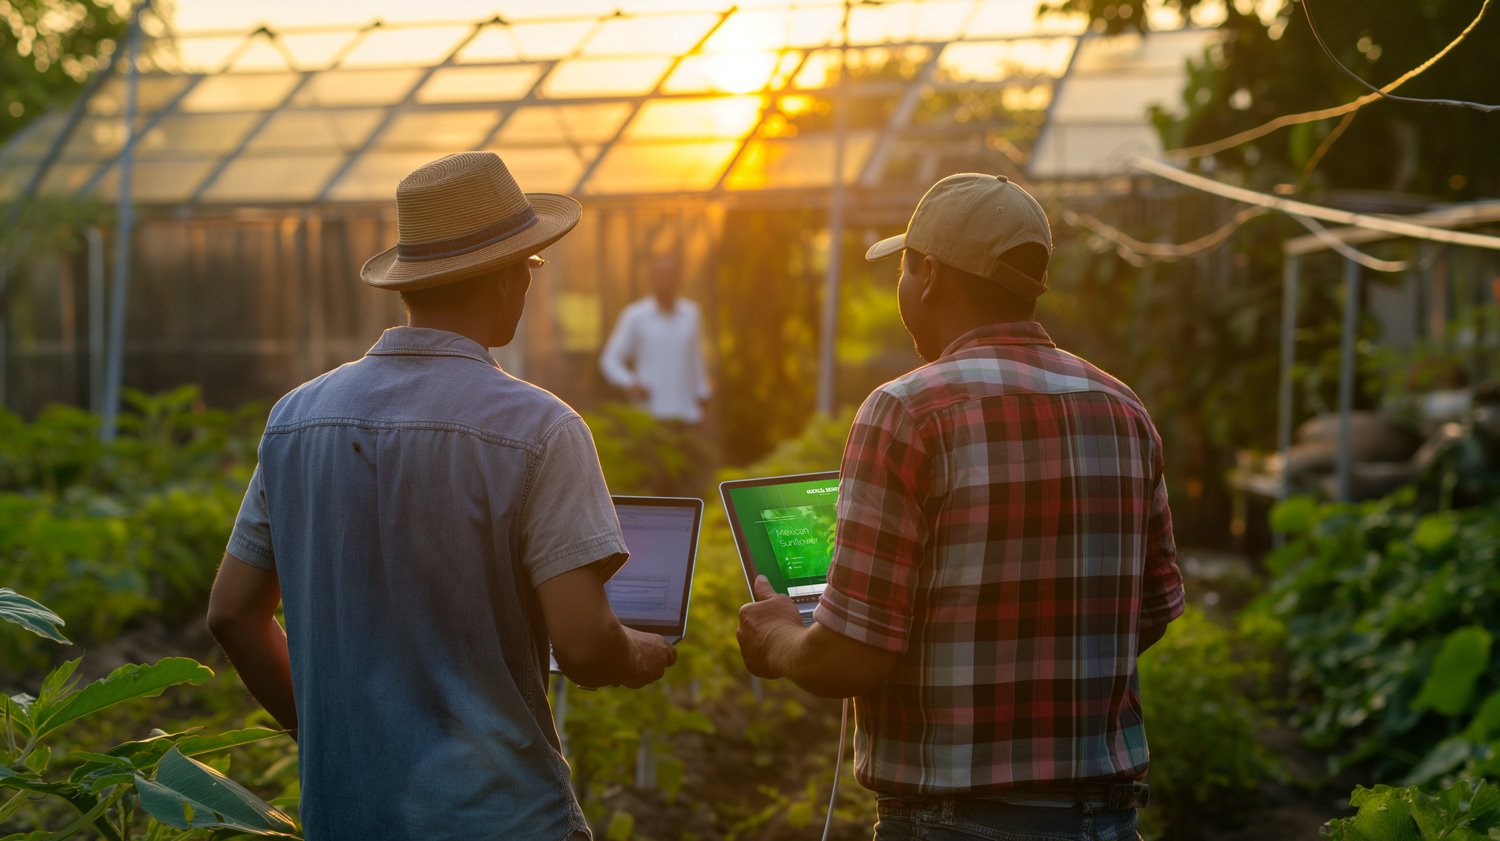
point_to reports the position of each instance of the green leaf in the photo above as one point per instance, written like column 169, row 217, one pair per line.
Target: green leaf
column 57, row 683
column 1447, row 755
column 621, row 827
column 122, row 684
column 186, row 794
column 1486, row 722
column 1386, row 816
column 1295, row 516
column 1434, row 532
column 1463, row 658
column 31, row 615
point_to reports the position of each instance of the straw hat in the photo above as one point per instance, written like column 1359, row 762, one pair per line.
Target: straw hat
column 462, row 216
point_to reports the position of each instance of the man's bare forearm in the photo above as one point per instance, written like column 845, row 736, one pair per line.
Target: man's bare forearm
column 259, row 653
column 825, row 663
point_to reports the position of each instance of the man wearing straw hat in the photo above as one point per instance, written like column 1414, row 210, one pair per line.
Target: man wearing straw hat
column 430, row 523
column 1003, row 553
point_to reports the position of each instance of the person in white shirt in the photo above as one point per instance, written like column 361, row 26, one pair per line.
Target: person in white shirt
column 656, row 350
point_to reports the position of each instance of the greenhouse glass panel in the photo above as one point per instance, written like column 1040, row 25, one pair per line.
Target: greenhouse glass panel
column 720, row 117
column 196, row 134
column 735, row 72
column 194, row 55
column 154, row 182
column 800, row 162
column 406, row 46
column 1115, row 98
column 654, row 35
column 1077, row 150
column 1162, row 52
column 95, row 138
column 1009, row 18
column 356, row 87
column 152, row 94
column 660, row 168
column 239, row 92
column 66, row 179
column 445, row 131
column 316, row 130
column 997, row 61
column 35, row 139
column 262, row 56
column 492, row 44
column 605, row 77
column 375, row 175
column 930, row 20
column 564, row 124
column 296, row 178
column 316, row 50
column 546, row 170
column 479, row 84
column 548, row 40
column 804, row 26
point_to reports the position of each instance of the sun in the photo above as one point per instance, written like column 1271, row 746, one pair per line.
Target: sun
column 741, row 71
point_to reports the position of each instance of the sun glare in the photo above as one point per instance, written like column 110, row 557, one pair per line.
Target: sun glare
column 741, row 71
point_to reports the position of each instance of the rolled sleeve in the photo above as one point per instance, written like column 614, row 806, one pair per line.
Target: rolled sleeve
column 1162, row 598
column 882, row 531
column 568, row 520
column 251, row 539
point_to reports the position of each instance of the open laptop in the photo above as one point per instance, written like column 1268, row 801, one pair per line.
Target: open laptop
column 651, row 591
column 783, row 528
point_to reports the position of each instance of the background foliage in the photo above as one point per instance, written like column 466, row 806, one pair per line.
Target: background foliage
column 1388, row 615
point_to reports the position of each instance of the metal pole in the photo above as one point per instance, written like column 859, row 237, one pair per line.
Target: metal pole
column 828, row 335
column 115, row 365
column 96, row 319
column 1291, row 272
column 1346, row 372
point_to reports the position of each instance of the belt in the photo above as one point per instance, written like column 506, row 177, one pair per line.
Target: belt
column 1117, row 797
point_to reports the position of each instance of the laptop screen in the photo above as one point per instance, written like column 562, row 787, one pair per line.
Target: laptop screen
column 650, row 592
column 785, row 526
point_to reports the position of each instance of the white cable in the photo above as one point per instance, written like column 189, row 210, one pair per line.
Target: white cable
column 1348, row 251
column 1326, row 214
column 837, row 767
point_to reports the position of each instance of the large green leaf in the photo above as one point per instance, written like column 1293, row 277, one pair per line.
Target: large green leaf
column 122, row 684
column 1450, row 685
column 143, row 755
column 31, row 615
column 187, row 794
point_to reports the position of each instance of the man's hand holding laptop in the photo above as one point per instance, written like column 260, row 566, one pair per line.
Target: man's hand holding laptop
column 768, row 627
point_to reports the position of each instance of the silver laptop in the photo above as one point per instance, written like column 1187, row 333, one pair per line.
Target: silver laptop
column 783, row 529
column 652, row 590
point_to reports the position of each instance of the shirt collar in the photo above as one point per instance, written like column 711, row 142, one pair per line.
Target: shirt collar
column 425, row 341
column 1013, row 333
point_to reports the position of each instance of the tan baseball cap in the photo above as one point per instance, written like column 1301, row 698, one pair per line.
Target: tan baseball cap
column 967, row 221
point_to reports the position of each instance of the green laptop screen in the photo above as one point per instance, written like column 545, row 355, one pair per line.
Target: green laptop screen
column 788, row 529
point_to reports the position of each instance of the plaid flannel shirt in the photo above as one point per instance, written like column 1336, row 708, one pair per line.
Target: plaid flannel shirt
column 1003, row 526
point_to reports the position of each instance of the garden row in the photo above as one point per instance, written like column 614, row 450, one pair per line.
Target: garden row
column 1380, row 616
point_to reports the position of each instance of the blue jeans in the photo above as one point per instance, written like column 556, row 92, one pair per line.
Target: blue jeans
column 967, row 818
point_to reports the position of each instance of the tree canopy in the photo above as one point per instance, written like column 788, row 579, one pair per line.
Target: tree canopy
column 48, row 49
column 1270, row 64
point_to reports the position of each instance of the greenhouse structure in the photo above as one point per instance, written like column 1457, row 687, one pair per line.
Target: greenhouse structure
column 262, row 167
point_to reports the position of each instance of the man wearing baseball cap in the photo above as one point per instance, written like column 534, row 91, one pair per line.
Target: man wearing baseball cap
column 1003, row 552
column 429, row 523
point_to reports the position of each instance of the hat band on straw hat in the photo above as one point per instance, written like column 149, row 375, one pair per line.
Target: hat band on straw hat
column 488, row 235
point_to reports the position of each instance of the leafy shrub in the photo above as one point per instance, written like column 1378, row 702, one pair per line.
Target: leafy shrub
column 114, row 531
column 1467, row 810
column 1389, row 615
column 157, row 776
column 1203, row 693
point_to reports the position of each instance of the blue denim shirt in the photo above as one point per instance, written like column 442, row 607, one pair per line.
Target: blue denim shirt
column 409, row 503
